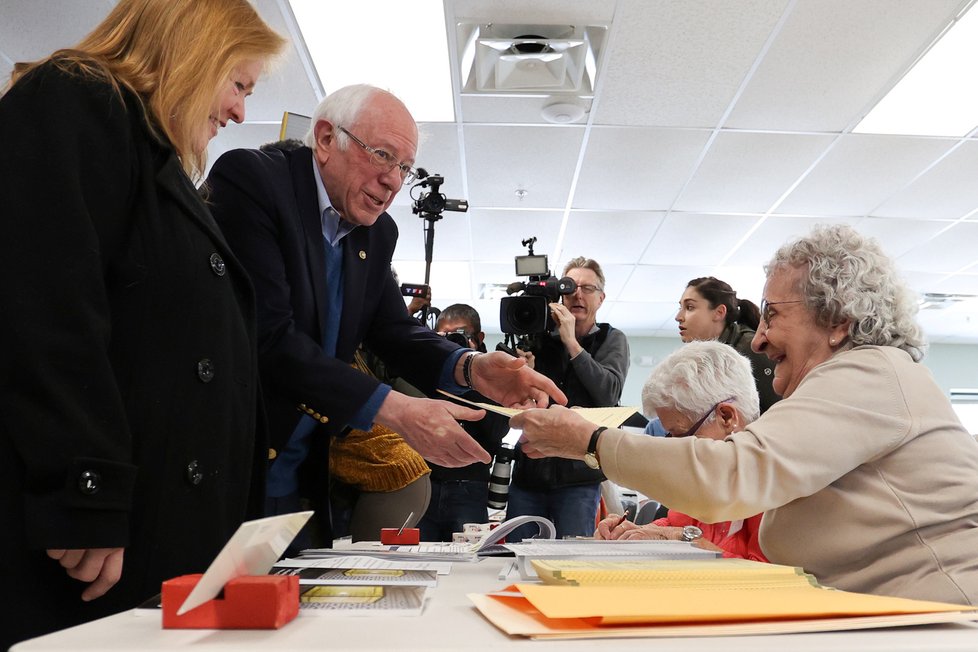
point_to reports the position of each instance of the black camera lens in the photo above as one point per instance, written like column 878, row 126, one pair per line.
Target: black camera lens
column 458, row 338
column 524, row 315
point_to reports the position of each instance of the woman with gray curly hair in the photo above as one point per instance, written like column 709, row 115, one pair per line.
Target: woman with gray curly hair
column 866, row 477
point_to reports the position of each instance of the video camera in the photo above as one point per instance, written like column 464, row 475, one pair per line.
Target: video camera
column 429, row 205
column 433, row 202
column 526, row 317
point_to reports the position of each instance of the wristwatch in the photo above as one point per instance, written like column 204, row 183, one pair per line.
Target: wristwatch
column 591, row 456
column 691, row 533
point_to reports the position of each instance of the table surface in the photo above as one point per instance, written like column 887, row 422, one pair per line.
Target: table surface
column 450, row 622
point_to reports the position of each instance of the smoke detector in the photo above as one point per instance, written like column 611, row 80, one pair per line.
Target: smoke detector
column 562, row 112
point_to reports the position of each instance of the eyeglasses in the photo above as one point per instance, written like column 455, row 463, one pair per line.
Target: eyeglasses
column 385, row 160
column 696, row 426
column 766, row 307
column 589, row 289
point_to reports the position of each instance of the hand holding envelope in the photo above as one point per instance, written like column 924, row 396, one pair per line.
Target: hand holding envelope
column 557, row 431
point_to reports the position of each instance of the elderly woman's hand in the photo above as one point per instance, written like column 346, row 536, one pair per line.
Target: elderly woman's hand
column 613, row 527
column 654, row 532
column 554, row 432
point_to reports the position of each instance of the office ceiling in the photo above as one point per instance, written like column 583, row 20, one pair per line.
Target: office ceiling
column 717, row 130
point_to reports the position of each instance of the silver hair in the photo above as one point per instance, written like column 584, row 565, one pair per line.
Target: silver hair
column 698, row 375
column 849, row 277
column 342, row 107
column 586, row 263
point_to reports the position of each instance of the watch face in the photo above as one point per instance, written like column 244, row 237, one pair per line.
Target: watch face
column 591, row 461
column 691, row 533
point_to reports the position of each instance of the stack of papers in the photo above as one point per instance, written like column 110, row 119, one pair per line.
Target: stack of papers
column 598, row 549
column 685, row 598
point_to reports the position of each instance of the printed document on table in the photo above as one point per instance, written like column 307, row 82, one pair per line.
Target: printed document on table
column 364, row 600
column 361, row 561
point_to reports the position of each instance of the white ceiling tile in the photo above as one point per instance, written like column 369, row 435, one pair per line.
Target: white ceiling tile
column 833, row 59
column 500, row 160
column 947, row 191
column 898, row 236
column 498, row 234
column 860, row 172
column 680, row 63
column 515, row 109
column 680, row 239
column 777, row 230
column 637, row 168
column 949, row 251
column 749, row 172
column 609, row 237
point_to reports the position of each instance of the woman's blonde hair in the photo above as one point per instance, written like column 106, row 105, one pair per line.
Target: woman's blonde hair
column 174, row 55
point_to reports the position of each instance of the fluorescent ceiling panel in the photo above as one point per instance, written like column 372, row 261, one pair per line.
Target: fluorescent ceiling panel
column 399, row 46
column 938, row 97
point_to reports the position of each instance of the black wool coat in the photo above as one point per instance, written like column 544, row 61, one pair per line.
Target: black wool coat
column 128, row 367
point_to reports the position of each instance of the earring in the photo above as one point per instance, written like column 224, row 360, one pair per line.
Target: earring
column 832, row 341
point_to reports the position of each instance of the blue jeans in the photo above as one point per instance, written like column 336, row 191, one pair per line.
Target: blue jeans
column 572, row 509
column 454, row 503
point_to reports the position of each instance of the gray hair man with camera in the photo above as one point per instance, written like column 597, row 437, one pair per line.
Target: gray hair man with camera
column 588, row 361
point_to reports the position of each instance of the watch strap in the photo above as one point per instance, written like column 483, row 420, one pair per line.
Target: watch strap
column 592, row 446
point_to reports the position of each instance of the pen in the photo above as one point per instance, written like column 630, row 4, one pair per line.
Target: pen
column 408, row 520
column 621, row 520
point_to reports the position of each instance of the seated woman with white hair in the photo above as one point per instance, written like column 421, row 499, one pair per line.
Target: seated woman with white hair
column 864, row 473
column 704, row 389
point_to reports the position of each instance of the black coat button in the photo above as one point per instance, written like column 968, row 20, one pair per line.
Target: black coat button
column 205, row 370
column 89, row 482
column 217, row 264
column 194, row 475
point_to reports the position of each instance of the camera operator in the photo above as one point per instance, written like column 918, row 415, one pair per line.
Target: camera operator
column 588, row 361
column 459, row 495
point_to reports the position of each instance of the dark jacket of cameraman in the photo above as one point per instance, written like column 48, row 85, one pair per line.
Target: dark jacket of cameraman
column 594, row 378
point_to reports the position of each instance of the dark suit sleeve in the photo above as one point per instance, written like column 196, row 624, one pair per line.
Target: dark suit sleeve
column 65, row 176
column 252, row 199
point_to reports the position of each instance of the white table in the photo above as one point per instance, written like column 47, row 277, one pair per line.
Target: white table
column 450, row 622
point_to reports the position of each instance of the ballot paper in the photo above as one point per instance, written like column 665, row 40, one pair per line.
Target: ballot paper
column 611, row 417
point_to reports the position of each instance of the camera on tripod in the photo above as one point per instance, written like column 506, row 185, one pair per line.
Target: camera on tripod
column 433, row 202
column 524, row 317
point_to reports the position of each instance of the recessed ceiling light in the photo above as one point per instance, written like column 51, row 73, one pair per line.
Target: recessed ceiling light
column 404, row 51
column 937, row 97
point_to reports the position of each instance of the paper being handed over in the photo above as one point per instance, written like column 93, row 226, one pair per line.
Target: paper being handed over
column 611, row 417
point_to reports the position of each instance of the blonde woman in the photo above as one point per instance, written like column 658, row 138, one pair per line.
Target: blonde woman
column 129, row 443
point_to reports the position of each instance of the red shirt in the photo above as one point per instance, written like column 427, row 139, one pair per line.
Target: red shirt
column 737, row 539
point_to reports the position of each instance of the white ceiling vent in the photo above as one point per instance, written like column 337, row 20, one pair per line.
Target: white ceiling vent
column 498, row 58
